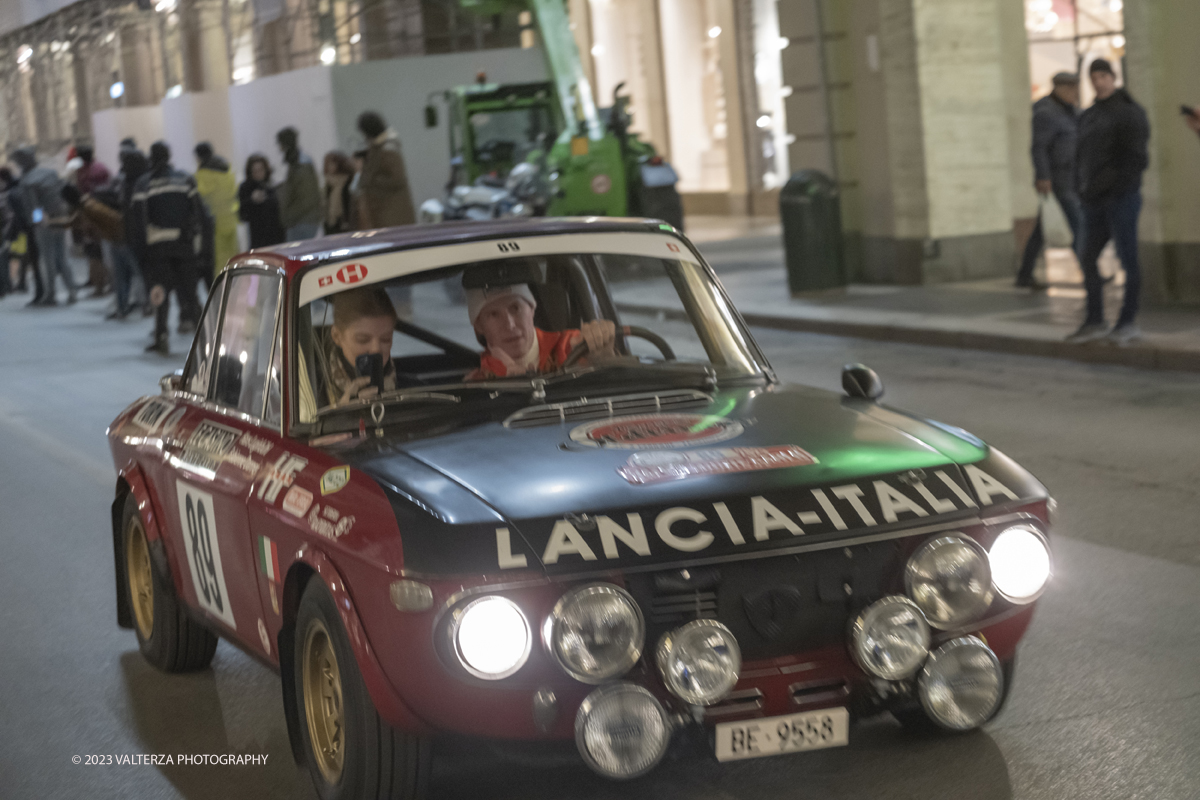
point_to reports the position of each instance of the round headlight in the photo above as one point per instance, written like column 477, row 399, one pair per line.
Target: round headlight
column 596, row 632
column 491, row 637
column 950, row 581
column 890, row 638
column 962, row 684
column 1020, row 561
column 622, row 731
column 699, row 662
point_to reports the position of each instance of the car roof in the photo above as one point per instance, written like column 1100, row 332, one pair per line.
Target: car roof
column 307, row 253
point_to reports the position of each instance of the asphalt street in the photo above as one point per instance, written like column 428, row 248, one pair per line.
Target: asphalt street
column 1106, row 702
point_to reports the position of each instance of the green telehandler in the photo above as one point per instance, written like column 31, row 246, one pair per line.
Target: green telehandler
column 545, row 148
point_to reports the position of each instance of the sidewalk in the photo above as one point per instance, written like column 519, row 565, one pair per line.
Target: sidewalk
column 984, row 315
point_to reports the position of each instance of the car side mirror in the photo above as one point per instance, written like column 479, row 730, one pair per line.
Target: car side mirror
column 172, row 382
column 861, row 381
column 431, row 116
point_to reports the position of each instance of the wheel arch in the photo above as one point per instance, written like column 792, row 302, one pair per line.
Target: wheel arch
column 132, row 481
column 312, row 564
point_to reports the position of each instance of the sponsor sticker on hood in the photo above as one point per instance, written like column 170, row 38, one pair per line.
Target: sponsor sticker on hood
column 656, row 466
column 657, row 431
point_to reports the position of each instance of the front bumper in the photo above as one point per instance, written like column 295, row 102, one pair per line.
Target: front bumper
column 801, row 664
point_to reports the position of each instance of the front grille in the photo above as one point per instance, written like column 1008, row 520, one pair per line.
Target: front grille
column 676, row 609
column 601, row 407
column 683, row 595
column 773, row 606
column 743, row 701
column 819, row 692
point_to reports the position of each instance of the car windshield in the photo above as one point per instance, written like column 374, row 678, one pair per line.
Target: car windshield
column 507, row 136
column 502, row 322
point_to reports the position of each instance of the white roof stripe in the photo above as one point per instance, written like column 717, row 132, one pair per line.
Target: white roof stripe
column 324, row 280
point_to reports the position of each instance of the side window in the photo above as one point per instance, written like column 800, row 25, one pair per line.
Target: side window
column 199, row 365
column 247, row 332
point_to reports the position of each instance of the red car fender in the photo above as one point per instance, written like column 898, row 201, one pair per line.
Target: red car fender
column 135, row 481
column 389, row 704
column 132, row 481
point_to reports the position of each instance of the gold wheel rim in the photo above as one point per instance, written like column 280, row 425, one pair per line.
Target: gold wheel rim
column 322, row 684
column 141, row 578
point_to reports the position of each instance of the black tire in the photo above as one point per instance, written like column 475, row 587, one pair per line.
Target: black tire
column 175, row 642
column 377, row 762
column 914, row 719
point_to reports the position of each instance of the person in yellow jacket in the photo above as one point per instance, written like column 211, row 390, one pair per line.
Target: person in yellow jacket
column 218, row 189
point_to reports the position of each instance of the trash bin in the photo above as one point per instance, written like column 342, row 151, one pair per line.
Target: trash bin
column 811, row 212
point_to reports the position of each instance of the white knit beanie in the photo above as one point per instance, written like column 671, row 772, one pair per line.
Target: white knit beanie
column 479, row 299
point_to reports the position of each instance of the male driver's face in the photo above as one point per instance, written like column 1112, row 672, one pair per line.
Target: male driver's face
column 507, row 325
column 1105, row 83
column 365, row 336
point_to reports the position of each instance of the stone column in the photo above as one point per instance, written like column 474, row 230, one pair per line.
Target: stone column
column 1162, row 62
column 912, row 102
column 205, row 48
column 1014, row 50
column 965, row 135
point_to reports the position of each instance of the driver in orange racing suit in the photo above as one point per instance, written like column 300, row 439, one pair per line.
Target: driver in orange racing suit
column 503, row 320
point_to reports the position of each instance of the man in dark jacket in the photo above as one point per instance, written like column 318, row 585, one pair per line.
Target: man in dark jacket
column 41, row 190
column 299, row 194
column 1055, row 131
column 1113, row 138
column 165, row 222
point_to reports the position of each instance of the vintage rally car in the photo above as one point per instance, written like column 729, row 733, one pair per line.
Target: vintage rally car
column 615, row 534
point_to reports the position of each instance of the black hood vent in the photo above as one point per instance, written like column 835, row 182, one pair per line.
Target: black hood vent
column 601, row 407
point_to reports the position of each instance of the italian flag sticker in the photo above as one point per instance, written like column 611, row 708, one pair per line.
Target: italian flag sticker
column 268, row 555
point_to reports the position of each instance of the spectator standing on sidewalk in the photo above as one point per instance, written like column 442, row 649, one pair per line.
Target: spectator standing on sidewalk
column 21, row 244
column 90, row 176
column 1055, row 134
column 218, row 190
column 41, row 190
column 383, row 185
column 300, row 193
column 339, row 171
column 1113, row 154
column 258, row 204
column 165, row 220
column 126, row 270
column 384, row 198
column 8, row 224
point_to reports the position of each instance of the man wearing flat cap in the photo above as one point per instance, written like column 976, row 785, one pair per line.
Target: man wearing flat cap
column 1055, row 131
column 503, row 320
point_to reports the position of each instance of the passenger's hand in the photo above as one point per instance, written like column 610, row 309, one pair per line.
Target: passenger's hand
column 1193, row 121
column 1043, row 186
column 158, row 296
column 355, row 390
column 601, row 338
column 259, row 196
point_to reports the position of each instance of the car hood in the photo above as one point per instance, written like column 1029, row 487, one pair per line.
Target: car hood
column 754, row 468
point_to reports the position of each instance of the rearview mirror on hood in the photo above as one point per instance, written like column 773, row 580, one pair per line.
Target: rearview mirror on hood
column 859, row 380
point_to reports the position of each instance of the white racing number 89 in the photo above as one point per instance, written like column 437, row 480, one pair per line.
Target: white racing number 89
column 200, row 539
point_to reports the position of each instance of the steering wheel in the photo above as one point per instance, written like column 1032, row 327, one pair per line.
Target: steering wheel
column 580, row 350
